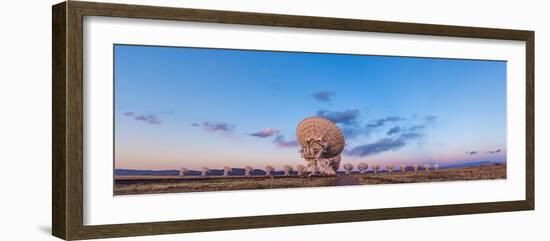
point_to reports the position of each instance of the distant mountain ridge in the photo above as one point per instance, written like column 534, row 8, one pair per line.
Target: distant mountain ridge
column 472, row 164
column 259, row 172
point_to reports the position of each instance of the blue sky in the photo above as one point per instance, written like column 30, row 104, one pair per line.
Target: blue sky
column 197, row 107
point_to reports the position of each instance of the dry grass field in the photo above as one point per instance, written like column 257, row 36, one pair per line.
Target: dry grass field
column 149, row 185
column 445, row 175
column 127, row 185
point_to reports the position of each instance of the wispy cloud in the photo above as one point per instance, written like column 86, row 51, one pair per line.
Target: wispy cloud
column 217, row 127
column 151, row 119
column 393, row 131
column 431, row 118
column 416, row 128
column 399, row 137
column 267, row 132
column 383, row 145
column 352, row 132
column 383, row 121
column 347, row 117
column 195, row 124
column 495, row 151
column 379, row 146
column 410, row 135
column 281, row 142
column 324, row 95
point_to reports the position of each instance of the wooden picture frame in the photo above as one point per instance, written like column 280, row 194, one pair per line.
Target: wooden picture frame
column 67, row 152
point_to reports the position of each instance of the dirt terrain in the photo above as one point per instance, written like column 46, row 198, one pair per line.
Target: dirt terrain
column 127, row 185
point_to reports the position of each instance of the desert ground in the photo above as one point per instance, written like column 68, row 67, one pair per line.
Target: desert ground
column 128, row 185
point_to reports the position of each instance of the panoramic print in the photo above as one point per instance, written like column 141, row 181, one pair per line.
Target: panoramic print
column 200, row 119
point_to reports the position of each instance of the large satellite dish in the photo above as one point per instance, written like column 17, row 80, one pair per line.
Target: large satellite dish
column 320, row 134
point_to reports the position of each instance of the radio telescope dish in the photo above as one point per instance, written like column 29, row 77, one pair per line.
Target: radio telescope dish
column 316, row 133
column 322, row 142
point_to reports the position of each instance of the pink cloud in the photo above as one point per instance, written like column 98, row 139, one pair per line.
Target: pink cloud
column 267, row 132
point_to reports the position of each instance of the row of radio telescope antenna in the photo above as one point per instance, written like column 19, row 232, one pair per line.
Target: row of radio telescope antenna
column 301, row 169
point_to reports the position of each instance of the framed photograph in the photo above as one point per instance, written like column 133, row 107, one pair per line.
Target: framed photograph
column 171, row 120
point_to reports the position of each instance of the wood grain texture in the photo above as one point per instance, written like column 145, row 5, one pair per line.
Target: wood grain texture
column 74, row 153
column 154, row 228
column 279, row 20
column 530, row 120
column 59, row 192
column 67, row 79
